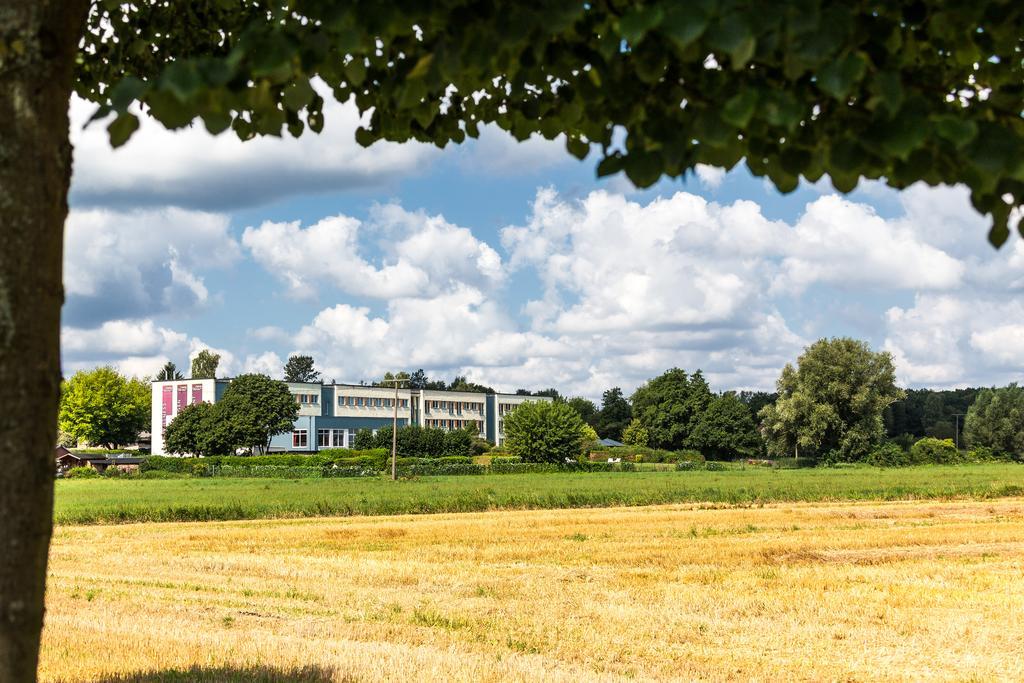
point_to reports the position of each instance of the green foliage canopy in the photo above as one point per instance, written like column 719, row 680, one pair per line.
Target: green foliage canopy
column 544, row 431
column 300, row 369
column 103, row 407
column 635, row 434
column 168, row 372
column 902, row 91
column 831, row 404
column 257, row 407
column 201, row 429
column 204, row 365
column 725, row 430
column 614, row 415
column 670, row 407
column 996, row 420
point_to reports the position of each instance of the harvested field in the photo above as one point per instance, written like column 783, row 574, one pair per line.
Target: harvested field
column 822, row 591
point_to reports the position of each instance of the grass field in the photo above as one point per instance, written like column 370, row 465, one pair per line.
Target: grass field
column 138, row 500
column 826, row 591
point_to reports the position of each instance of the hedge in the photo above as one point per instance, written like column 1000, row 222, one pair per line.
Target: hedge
column 644, row 454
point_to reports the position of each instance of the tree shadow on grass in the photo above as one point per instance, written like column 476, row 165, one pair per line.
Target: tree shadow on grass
column 231, row 674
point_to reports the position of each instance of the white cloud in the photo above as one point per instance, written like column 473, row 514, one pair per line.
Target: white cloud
column 266, row 363
column 421, row 255
column 846, row 244
column 710, row 177
column 497, row 152
column 135, row 347
column 138, row 263
column 192, row 168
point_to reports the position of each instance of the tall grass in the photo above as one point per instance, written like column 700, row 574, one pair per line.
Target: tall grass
column 140, row 500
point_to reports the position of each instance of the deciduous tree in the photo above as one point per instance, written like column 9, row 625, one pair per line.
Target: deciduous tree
column 901, row 91
column 830, row 405
column 635, row 434
column 201, row 429
column 670, row 406
column 104, row 408
column 543, row 431
column 204, row 365
column 258, row 407
column 614, row 415
column 996, row 420
column 725, row 430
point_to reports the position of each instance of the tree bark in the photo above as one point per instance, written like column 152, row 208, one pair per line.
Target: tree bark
column 38, row 42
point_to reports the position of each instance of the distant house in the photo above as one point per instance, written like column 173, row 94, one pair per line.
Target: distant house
column 611, row 442
column 66, row 459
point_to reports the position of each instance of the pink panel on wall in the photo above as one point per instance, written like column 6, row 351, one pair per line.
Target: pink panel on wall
column 182, row 396
column 197, row 393
column 167, row 405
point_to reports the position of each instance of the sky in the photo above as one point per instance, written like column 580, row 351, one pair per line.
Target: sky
column 512, row 264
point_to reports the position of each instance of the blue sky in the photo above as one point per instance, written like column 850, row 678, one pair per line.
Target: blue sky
column 513, row 264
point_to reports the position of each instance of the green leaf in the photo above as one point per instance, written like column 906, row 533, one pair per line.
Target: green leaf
column 299, row 94
column 643, row 168
column 182, row 79
column 578, row 148
column 121, row 128
column 635, row 24
column 838, row 78
column 128, row 90
column 739, row 108
column 610, row 165
column 954, row 129
column 364, row 137
column 216, row 122
column 734, row 36
column 685, row 22
column 355, row 71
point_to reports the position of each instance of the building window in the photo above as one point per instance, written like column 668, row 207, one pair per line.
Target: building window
column 323, row 438
column 300, row 438
column 314, row 399
column 338, row 438
column 359, row 401
column 341, row 400
column 350, row 438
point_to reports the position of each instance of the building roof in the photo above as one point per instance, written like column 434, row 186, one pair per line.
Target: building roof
column 611, row 442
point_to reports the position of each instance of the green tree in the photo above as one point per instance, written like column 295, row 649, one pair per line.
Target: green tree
column 364, row 440
column 812, row 88
column 257, row 407
column 614, row 415
column 543, row 431
column 830, row 405
column 104, row 408
column 670, row 406
column 726, row 430
column 300, row 369
column 588, row 435
column 460, row 383
column 200, row 429
column 635, row 434
column 418, row 380
column 168, row 372
column 204, row 365
column 586, row 409
column 996, row 420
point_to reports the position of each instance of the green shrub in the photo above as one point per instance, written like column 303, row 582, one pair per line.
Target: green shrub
column 269, row 472
column 441, row 469
column 686, row 466
column 888, row 455
column 505, row 460
column 543, row 431
column 714, row 466
column 336, row 470
column 937, row 451
column 81, row 473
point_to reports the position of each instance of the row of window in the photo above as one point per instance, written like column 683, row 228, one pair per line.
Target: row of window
column 307, row 399
column 325, row 438
column 453, row 424
column 456, row 406
column 369, row 402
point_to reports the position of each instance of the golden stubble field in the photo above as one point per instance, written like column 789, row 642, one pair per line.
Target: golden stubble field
column 906, row 591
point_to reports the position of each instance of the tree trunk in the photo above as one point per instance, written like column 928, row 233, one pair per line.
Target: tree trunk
column 38, row 41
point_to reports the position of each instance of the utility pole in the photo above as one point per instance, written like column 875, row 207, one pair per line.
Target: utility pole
column 394, row 428
column 956, row 429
